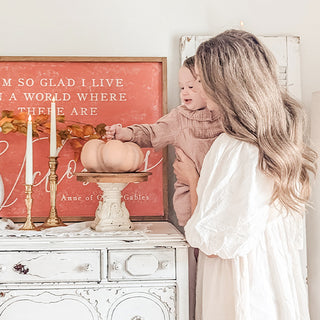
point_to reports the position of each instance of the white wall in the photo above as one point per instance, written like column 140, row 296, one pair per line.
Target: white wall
column 153, row 28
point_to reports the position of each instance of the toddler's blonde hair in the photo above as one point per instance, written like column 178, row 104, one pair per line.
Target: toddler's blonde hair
column 239, row 74
column 189, row 63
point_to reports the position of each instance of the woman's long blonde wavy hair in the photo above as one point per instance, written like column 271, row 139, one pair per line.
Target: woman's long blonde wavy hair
column 239, row 74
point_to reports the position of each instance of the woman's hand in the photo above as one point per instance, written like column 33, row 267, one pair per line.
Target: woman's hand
column 186, row 173
column 184, row 169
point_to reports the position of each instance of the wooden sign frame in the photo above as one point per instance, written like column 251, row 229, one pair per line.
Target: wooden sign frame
column 89, row 61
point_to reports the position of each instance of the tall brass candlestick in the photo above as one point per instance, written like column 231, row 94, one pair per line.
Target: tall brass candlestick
column 53, row 220
column 28, row 225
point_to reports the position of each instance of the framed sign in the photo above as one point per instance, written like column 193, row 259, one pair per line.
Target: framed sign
column 87, row 90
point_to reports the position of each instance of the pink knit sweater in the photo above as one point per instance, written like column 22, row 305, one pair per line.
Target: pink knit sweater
column 193, row 131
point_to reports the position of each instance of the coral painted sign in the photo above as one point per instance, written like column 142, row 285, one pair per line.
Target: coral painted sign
column 87, row 91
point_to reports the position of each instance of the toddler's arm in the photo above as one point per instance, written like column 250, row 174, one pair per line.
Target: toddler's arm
column 157, row 135
column 117, row 132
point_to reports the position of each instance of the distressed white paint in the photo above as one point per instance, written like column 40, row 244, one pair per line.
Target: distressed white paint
column 143, row 264
column 82, row 274
column 40, row 266
column 112, row 213
column 51, row 305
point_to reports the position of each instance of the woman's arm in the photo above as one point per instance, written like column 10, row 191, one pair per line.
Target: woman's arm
column 186, row 173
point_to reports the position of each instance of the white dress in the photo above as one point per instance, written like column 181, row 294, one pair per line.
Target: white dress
column 257, row 274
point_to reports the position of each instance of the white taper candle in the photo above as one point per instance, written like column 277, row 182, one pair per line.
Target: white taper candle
column 29, row 153
column 53, row 133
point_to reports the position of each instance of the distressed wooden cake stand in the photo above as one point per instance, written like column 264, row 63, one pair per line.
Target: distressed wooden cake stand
column 112, row 214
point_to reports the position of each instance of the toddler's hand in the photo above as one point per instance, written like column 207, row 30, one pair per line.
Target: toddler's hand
column 117, row 132
column 111, row 131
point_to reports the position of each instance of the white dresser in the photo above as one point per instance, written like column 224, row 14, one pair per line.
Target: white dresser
column 76, row 273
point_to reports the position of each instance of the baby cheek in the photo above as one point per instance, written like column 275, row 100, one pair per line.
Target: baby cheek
column 203, row 95
column 181, row 97
column 203, row 100
column 199, row 98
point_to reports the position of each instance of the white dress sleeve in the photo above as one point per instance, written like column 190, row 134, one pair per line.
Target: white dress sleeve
column 233, row 200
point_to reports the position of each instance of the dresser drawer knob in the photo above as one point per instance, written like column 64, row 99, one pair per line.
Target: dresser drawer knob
column 164, row 264
column 116, row 266
column 137, row 318
column 21, row 268
column 2, row 268
column 85, row 267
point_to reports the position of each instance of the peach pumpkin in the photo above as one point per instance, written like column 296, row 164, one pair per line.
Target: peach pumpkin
column 90, row 157
column 113, row 156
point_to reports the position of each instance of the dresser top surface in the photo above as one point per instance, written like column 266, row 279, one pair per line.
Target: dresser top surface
column 80, row 232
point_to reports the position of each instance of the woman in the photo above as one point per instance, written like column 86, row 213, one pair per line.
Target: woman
column 253, row 187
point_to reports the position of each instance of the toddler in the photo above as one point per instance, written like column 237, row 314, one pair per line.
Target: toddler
column 191, row 127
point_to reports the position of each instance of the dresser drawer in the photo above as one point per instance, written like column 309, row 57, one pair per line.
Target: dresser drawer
column 148, row 264
column 49, row 266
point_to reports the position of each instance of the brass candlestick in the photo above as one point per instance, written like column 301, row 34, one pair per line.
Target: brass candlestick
column 53, row 220
column 28, row 225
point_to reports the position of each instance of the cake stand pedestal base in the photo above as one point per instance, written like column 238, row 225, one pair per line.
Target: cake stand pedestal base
column 112, row 213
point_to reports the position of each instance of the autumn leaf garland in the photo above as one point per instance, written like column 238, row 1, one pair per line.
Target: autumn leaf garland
column 76, row 133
